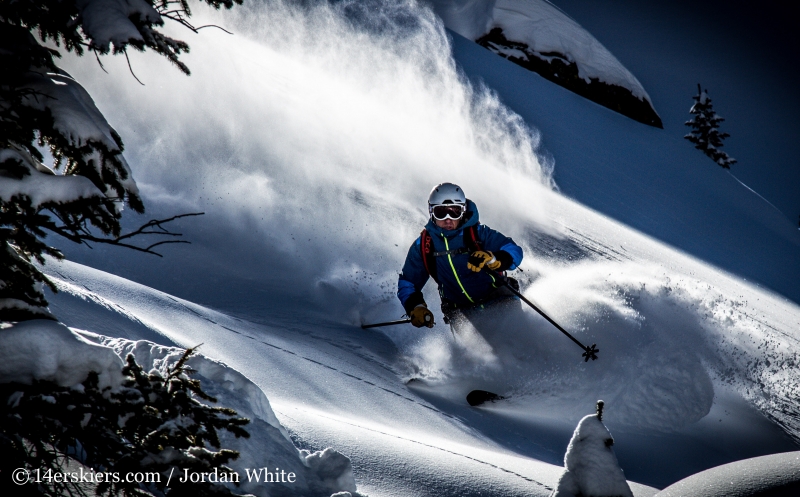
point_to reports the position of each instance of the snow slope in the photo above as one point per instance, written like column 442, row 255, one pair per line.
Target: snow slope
column 327, row 386
column 744, row 53
column 313, row 160
column 776, row 475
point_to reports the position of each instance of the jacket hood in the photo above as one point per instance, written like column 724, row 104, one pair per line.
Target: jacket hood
column 471, row 218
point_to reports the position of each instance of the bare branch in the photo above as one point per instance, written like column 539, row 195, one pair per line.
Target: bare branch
column 97, row 56
column 214, row 26
column 158, row 223
column 80, row 234
column 131, row 68
column 163, row 242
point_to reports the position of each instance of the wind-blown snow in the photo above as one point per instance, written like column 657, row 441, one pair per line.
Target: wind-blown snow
column 285, row 154
column 545, row 29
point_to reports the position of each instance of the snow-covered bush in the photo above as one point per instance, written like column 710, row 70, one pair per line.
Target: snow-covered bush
column 147, row 423
column 705, row 132
column 591, row 467
column 42, row 106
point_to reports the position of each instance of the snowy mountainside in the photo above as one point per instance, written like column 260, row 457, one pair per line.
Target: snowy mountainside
column 326, row 379
column 314, row 174
column 673, row 46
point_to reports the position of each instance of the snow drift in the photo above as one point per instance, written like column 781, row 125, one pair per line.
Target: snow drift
column 49, row 351
column 776, row 475
column 45, row 350
column 320, row 473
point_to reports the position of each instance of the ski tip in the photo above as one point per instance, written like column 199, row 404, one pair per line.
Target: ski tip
column 479, row 397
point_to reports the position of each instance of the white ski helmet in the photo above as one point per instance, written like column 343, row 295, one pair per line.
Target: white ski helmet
column 446, row 193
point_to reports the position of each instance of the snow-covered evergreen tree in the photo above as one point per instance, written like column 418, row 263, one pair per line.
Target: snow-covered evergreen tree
column 705, row 132
column 83, row 191
column 591, row 467
column 149, row 423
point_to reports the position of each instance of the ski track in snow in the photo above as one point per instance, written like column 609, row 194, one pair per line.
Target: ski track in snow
column 100, row 296
column 133, row 317
column 441, row 449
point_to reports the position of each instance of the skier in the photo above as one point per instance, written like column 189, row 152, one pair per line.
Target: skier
column 453, row 249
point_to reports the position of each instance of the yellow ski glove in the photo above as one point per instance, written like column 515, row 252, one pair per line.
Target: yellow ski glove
column 477, row 260
column 421, row 316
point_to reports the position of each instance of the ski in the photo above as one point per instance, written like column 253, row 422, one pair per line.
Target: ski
column 479, row 397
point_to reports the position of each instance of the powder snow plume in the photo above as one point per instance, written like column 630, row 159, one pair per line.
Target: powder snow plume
column 317, row 133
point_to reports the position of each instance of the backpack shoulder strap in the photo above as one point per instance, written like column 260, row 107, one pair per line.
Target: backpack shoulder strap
column 471, row 239
column 428, row 259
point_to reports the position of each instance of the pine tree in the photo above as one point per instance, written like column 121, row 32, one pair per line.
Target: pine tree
column 153, row 424
column 80, row 196
column 705, row 132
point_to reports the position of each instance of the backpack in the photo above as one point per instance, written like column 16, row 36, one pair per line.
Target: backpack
column 429, row 256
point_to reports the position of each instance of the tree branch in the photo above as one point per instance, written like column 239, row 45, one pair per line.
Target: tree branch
column 131, row 68
column 81, row 234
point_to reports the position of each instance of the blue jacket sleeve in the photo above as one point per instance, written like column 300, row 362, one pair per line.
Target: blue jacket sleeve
column 412, row 278
column 493, row 241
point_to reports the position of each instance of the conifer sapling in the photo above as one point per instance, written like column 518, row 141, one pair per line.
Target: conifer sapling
column 705, row 133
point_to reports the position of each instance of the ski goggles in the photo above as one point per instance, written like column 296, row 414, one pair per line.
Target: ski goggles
column 444, row 211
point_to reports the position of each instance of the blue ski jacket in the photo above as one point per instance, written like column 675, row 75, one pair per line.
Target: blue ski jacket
column 457, row 283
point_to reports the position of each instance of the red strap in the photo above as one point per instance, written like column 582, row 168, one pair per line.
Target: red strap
column 425, row 246
column 474, row 238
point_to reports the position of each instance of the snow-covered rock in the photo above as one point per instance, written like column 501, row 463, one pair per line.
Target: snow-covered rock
column 540, row 37
column 591, row 466
column 776, row 475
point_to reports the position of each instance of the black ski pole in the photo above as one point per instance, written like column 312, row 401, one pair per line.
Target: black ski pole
column 588, row 352
column 388, row 323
